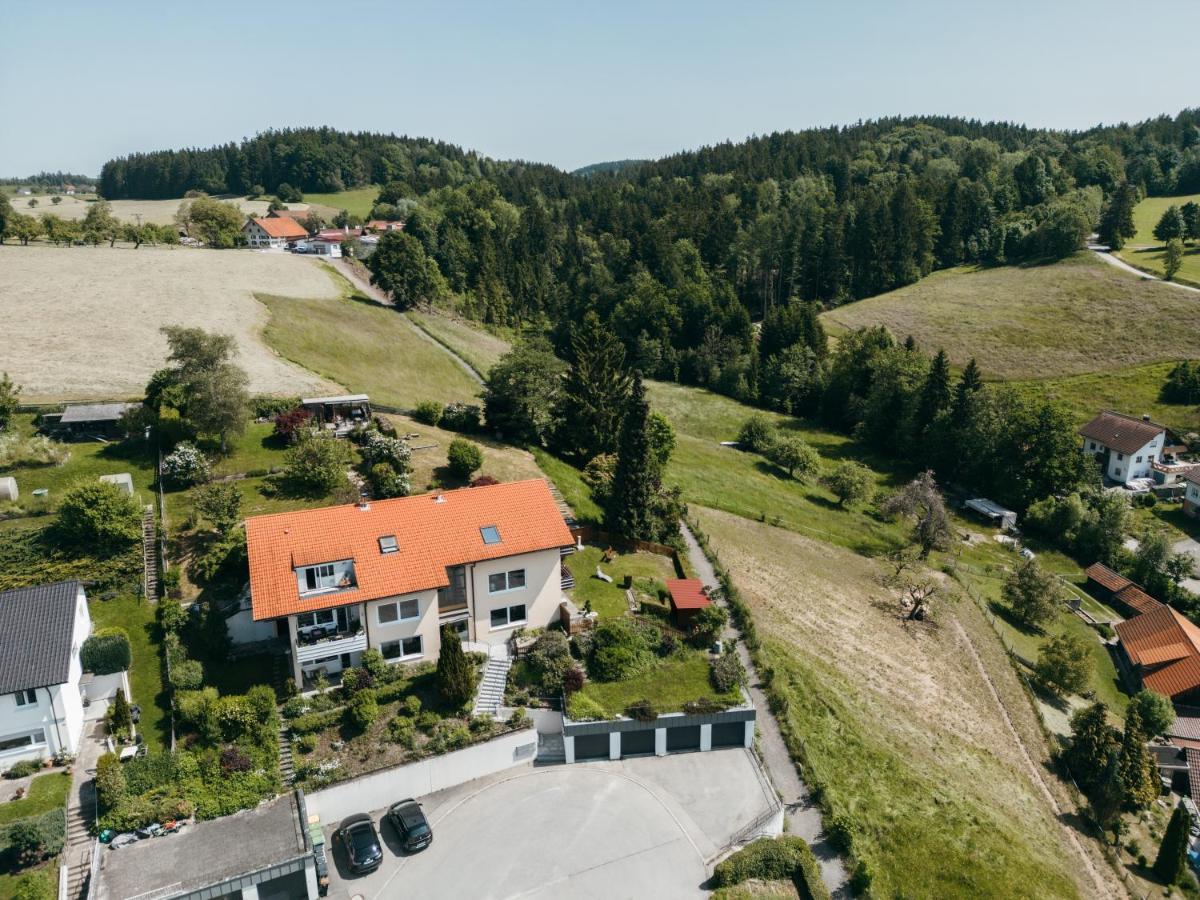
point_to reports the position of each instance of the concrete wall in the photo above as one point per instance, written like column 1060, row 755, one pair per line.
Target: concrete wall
column 100, row 691
column 380, row 789
column 244, row 630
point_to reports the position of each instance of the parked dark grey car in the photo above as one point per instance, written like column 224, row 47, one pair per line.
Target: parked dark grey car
column 358, row 835
column 411, row 825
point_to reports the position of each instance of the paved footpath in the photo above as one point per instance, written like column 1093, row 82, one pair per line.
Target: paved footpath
column 803, row 815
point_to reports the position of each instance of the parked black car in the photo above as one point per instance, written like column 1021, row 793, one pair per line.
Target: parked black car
column 410, row 823
column 358, row 835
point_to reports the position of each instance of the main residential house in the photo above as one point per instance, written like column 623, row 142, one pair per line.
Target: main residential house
column 273, row 232
column 1126, row 446
column 41, row 707
column 389, row 574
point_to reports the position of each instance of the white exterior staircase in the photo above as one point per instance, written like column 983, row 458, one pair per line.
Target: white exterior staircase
column 490, row 695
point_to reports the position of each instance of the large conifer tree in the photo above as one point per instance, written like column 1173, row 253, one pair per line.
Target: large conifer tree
column 1172, row 853
column 595, row 391
column 455, row 677
column 1138, row 771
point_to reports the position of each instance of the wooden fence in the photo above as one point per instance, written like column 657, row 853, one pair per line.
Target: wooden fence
column 589, row 534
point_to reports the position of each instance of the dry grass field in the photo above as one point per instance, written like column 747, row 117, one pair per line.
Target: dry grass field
column 897, row 723
column 158, row 212
column 83, row 322
column 1077, row 316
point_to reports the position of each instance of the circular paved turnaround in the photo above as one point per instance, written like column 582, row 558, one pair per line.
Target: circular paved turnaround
column 569, row 831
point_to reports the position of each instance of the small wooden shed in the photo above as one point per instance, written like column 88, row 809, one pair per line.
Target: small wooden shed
column 688, row 597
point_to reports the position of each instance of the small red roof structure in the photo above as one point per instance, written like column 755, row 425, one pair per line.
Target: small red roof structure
column 687, row 595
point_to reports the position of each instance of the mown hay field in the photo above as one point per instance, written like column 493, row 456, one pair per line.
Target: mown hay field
column 896, row 722
column 83, row 322
column 157, row 212
column 1073, row 317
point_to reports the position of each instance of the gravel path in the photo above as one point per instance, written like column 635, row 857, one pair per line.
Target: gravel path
column 803, row 814
column 1107, row 255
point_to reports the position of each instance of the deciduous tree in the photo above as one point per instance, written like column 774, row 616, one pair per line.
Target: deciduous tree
column 850, row 482
column 10, row 399
column 1063, row 664
column 795, row 457
column 521, row 393
column 401, row 267
column 1172, row 258
column 1170, row 225
column 1031, row 592
column 921, row 501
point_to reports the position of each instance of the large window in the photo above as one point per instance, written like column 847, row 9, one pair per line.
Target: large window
column 26, row 698
column 407, row 648
column 507, row 616
column 22, row 741
column 313, row 619
column 403, row 611
column 506, row 581
column 320, row 578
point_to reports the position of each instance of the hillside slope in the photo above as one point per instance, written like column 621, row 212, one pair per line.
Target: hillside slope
column 1070, row 318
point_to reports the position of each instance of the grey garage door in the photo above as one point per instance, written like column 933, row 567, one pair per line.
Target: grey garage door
column 684, row 738
column 729, row 734
column 637, row 742
column 591, row 746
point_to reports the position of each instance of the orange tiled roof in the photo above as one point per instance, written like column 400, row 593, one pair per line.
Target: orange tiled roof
column 281, row 228
column 431, row 536
column 1106, row 577
column 687, row 593
column 1163, row 635
column 1137, row 599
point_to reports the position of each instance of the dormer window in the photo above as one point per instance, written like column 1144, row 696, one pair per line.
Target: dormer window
column 334, row 576
column 490, row 534
column 387, row 544
column 320, row 578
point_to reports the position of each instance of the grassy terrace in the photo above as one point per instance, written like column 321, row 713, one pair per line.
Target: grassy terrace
column 479, row 348
column 608, row 600
column 46, row 792
column 674, row 681
column 136, row 617
column 1013, row 319
column 1143, row 251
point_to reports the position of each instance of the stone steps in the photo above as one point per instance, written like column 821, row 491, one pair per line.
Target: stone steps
column 77, row 853
column 287, row 762
column 149, row 553
column 491, row 688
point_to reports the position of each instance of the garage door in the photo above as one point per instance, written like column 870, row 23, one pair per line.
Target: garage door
column 684, row 738
column 729, row 734
column 634, row 743
column 591, row 746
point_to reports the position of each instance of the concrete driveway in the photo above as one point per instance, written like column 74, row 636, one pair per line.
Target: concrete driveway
column 645, row 827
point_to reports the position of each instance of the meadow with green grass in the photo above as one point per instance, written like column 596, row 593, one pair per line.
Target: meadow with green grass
column 46, row 792
column 1077, row 316
column 136, row 617
column 356, row 201
column 1146, row 252
column 480, row 349
column 607, row 599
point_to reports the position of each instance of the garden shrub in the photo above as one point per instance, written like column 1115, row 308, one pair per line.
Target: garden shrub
column 411, row 705
column 449, row 735
column 572, row 679
column 464, row 457
column 317, row 721
column 171, row 615
column 355, row 680
column 774, row 859
column 33, row 887
column 186, row 465
column 23, row 769
column 726, row 671
column 187, row 675
column 195, row 710
column 582, row 708
column 375, row 664
column 703, row 706
column 428, row 720
column 289, row 424
column 234, row 760
column 402, row 732
column 707, row 625
column 549, row 658
column 461, row 417
column 97, row 517
column 394, row 690
column 362, row 710
column 269, row 407
column 305, row 743
column 428, row 412
column 581, row 644
column 482, row 724
column 757, row 434
column 484, row 480
column 642, row 710
column 519, row 718
column 619, row 651
column 34, row 838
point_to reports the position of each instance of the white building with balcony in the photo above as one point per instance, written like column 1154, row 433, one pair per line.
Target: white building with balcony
column 390, row 574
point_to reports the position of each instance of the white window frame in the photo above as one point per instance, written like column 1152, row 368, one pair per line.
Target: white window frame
column 26, row 697
column 508, row 589
column 324, row 582
column 400, row 642
column 510, row 622
column 32, row 745
column 398, row 606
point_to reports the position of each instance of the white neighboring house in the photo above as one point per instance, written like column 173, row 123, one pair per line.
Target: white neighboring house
column 321, row 246
column 272, row 232
column 1126, row 445
column 41, row 708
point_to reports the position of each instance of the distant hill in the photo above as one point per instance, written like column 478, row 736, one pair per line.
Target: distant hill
column 615, row 165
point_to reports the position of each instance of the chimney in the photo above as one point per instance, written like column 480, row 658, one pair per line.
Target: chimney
column 439, row 499
column 1145, row 417
column 363, row 504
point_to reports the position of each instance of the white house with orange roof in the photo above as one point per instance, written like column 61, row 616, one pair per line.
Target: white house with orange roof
column 261, row 233
column 389, row 574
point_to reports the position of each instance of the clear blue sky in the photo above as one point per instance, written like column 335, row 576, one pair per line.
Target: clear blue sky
column 568, row 83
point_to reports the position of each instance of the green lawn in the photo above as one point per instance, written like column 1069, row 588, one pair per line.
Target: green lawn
column 357, row 201
column 1014, row 319
column 47, row 873
column 481, row 349
column 145, row 674
column 88, row 460
column 608, row 600
column 676, row 680
column 570, row 482
column 255, row 450
column 366, row 348
column 1145, row 252
column 46, row 792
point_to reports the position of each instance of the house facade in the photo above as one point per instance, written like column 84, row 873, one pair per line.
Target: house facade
column 42, row 630
column 264, row 233
column 1191, row 494
column 1125, row 446
column 390, row 574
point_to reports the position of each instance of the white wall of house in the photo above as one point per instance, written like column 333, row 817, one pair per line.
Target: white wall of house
column 256, row 236
column 395, row 633
column 540, row 595
column 326, row 248
column 1125, row 467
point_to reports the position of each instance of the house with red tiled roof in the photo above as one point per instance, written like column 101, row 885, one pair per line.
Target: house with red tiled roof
column 1112, row 587
column 1125, row 446
column 272, row 232
column 381, row 225
column 390, row 574
column 1160, row 650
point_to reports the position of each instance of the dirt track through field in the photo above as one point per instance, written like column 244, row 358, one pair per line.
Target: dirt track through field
column 1035, row 773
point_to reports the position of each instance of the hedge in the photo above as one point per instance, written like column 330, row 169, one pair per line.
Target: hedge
column 317, row 721
column 52, row 826
column 774, row 859
column 106, row 651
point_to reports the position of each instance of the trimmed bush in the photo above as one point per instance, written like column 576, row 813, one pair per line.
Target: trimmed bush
column 186, row 465
column 402, row 732
column 464, row 457
column 774, row 859
column 312, row 722
column 305, row 743
column 727, row 671
column 427, row 721
column 23, row 768
column 393, row 690
column 187, row 675
column 461, row 417
column 362, row 710
column 97, row 517
column 428, row 412
column 106, row 651
column 619, row 650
